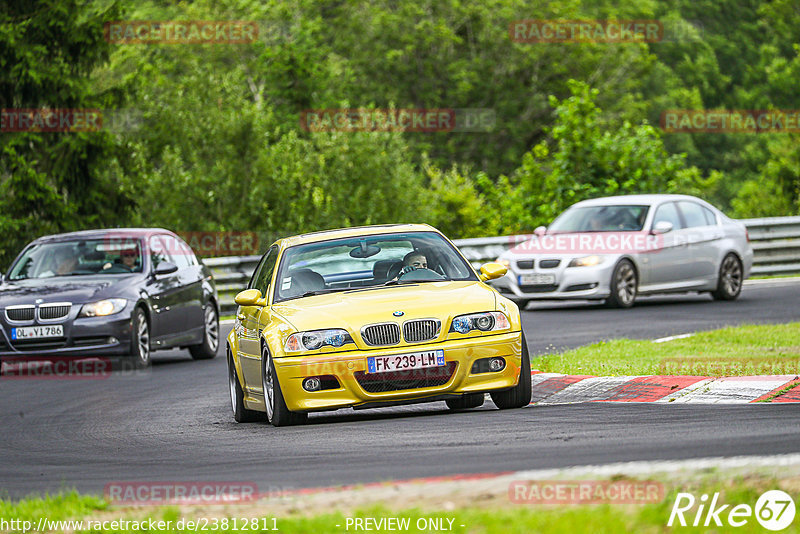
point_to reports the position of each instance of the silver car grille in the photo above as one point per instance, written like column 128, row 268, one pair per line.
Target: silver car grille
column 421, row 330
column 378, row 335
column 50, row 312
column 20, row 313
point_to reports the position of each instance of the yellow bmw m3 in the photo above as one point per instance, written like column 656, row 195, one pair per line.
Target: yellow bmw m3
column 369, row 317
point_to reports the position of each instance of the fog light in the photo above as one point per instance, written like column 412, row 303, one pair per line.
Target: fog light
column 312, row 384
column 497, row 364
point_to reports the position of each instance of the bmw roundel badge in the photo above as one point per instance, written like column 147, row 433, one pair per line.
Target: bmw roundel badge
column 398, row 314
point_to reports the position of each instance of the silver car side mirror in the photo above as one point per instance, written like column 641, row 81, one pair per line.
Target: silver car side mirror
column 662, row 227
column 540, row 231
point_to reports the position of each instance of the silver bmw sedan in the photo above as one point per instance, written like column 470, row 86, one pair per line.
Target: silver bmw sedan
column 616, row 248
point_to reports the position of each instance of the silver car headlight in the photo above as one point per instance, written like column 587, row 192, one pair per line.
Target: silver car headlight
column 315, row 339
column 587, row 261
column 101, row 308
column 485, row 322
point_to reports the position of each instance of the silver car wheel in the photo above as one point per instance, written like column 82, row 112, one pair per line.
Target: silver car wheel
column 268, row 384
column 731, row 275
column 626, row 283
column 143, row 337
column 212, row 328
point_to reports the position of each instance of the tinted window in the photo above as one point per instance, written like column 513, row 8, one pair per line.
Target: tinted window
column 693, row 214
column 160, row 250
column 263, row 274
column 181, row 252
column 668, row 212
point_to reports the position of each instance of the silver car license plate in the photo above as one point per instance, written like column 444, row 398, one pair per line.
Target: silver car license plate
column 537, row 279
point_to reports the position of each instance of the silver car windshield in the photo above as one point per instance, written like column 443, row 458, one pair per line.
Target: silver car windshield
column 75, row 258
column 368, row 261
column 623, row 218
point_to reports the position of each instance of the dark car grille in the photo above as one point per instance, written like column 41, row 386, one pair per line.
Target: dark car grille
column 381, row 334
column 411, row 379
column 420, row 330
column 22, row 313
column 549, row 264
column 525, row 264
column 40, row 345
column 538, row 289
column 54, row 312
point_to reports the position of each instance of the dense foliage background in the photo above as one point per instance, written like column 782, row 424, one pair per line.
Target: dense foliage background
column 208, row 136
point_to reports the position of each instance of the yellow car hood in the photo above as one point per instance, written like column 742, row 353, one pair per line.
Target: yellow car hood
column 353, row 309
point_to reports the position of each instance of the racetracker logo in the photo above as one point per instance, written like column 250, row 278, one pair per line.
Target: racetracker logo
column 398, row 120
column 50, row 120
column 774, row 510
column 156, row 493
column 586, row 31
column 180, row 32
column 585, row 491
column 210, row 244
column 730, row 121
column 591, row 243
column 55, row 368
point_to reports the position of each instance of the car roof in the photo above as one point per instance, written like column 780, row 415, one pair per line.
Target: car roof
column 103, row 233
column 636, row 199
column 356, row 231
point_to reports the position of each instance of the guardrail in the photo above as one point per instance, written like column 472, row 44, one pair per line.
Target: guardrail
column 775, row 241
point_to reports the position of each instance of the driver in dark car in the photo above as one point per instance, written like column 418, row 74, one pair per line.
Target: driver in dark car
column 129, row 259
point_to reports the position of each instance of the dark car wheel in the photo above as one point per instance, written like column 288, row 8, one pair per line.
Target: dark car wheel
column 466, row 402
column 208, row 348
column 277, row 412
column 240, row 413
column 140, row 339
column 729, row 282
column 519, row 395
column 624, row 285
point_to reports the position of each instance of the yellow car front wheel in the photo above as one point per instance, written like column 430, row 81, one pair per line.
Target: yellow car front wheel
column 277, row 412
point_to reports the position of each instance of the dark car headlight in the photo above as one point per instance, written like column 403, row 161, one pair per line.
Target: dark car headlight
column 101, row 308
column 316, row 339
column 485, row 322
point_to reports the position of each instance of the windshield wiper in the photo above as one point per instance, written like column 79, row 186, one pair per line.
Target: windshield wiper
column 408, row 282
column 323, row 291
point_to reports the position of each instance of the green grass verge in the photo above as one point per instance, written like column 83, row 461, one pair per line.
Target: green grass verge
column 502, row 517
column 733, row 351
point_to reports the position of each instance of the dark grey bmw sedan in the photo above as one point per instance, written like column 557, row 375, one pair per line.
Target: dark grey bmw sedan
column 121, row 292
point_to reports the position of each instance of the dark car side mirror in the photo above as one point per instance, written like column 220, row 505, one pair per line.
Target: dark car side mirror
column 165, row 267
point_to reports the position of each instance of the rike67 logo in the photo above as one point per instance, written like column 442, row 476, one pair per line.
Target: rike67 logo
column 774, row 510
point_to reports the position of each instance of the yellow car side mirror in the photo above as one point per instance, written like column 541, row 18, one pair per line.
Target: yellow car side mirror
column 250, row 297
column 492, row 270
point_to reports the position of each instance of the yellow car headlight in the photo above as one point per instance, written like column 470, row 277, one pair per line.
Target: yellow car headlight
column 586, row 261
column 101, row 308
column 485, row 322
column 315, row 339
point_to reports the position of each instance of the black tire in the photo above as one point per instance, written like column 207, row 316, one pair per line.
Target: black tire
column 730, row 278
column 208, row 348
column 624, row 285
column 466, row 402
column 519, row 395
column 277, row 412
column 140, row 339
column 240, row 413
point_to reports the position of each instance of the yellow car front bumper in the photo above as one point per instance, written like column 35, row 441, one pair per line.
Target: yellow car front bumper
column 348, row 368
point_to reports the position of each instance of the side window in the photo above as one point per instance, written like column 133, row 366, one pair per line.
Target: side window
column 711, row 219
column 182, row 253
column 693, row 214
column 159, row 251
column 668, row 212
column 263, row 273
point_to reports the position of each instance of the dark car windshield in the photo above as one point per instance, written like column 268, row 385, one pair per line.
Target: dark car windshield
column 79, row 257
column 368, row 261
column 600, row 219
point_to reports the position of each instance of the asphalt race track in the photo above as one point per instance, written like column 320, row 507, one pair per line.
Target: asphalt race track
column 174, row 423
